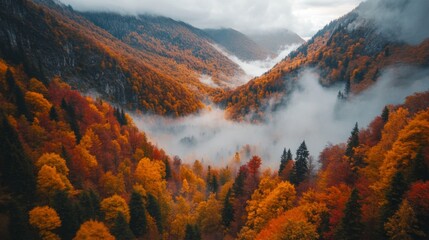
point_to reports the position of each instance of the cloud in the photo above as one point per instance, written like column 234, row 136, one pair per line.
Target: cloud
column 257, row 67
column 312, row 114
column 404, row 20
column 304, row 17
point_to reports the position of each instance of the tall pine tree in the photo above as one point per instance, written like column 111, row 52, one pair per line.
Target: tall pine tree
column 300, row 168
column 394, row 195
column 16, row 169
column 69, row 219
column 121, row 230
column 155, row 211
column 351, row 227
column 138, row 221
column 227, row 210
column 284, row 159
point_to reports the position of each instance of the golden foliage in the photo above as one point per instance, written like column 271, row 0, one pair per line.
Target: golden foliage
column 93, row 230
column 45, row 219
column 112, row 206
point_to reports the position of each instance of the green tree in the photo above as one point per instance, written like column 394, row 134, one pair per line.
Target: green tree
column 65, row 209
column 352, row 142
column 284, row 160
column 351, row 227
column 227, row 210
column 192, row 232
column 121, row 230
column 155, row 211
column 53, row 114
column 394, row 195
column 89, row 202
column 16, row 169
column 138, row 221
column 300, row 168
column 385, row 114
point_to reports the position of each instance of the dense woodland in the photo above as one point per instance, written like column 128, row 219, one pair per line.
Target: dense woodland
column 73, row 167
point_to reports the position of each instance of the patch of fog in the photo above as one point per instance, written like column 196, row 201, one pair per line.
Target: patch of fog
column 257, row 67
column 312, row 114
column 207, row 80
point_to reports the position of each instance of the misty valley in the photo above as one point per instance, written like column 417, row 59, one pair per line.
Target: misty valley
column 190, row 120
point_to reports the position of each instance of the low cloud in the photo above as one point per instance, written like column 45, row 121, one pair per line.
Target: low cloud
column 403, row 20
column 312, row 114
column 257, row 67
column 303, row 17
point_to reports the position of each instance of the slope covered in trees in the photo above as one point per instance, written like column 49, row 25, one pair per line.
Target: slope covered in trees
column 50, row 39
column 71, row 168
column 176, row 43
column 353, row 50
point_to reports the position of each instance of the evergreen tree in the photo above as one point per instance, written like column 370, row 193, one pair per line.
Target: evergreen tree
column 18, row 96
column 300, row 168
column 65, row 209
column 72, row 119
column 138, row 221
column 155, row 211
column 347, row 88
column 385, row 114
column 419, row 169
column 284, row 160
column 238, row 186
column 351, row 227
column 167, row 169
column 352, row 142
column 214, row 184
column 89, row 202
column 192, row 232
column 19, row 227
column 227, row 210
column 121, row 230
column 394, row 194
column 53, row 115
column 16, row 169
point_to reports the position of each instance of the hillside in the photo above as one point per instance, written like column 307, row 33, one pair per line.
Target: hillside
column 176, row 43
column 275, row 40
column 238, row 44
column 74, row 167
column 352, row 50
column 50, row 39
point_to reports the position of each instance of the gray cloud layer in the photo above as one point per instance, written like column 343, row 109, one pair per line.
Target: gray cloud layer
column 304, row 17
column 312, row 114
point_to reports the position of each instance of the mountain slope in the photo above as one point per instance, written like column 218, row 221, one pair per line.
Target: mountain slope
column 175, row 43
column 275, row 40
column 238, row 44
column 353, row 49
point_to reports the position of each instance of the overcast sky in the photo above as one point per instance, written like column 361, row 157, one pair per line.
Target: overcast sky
column 304, row 17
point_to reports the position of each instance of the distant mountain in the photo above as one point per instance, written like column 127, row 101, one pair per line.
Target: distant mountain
column 169, row 39
column 238, row 44
column 353, row 49
column 275, row 40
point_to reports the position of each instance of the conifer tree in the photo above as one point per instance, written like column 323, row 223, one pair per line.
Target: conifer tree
column 352, row 142
column 65, row 209
column 351, row 227
column 121, row 230
column 394, row 195
column 53, row 115
column 385, row 114
column 192, row 232
column 300, row 168
column 155, row 211
column 16, row 169
column 138, row 221
column 227, row 210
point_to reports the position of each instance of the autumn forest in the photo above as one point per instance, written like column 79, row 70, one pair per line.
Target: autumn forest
column 74, row 163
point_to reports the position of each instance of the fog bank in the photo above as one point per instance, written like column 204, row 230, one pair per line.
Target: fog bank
column 312, row 114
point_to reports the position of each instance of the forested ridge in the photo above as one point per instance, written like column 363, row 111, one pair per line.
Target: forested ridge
column 74, row 167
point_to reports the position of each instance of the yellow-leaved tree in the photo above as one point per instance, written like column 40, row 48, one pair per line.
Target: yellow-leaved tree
column 45, row 219
column 112, row 206
column 93, row 230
